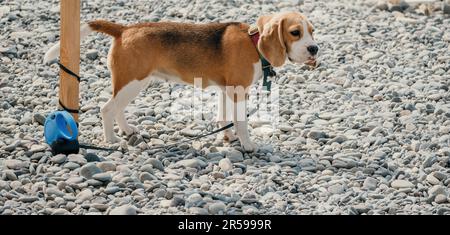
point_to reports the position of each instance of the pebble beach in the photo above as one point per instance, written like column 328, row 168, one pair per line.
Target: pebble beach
column 366, row 132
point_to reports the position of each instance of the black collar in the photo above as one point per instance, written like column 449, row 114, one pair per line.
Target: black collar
column 267, row 68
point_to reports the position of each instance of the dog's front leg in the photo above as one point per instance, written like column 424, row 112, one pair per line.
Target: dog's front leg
column 108, row 112
column 124, row 127
column 126, row 95
column 240, row 120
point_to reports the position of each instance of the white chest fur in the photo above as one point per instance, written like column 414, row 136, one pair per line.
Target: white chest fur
column 257, row 72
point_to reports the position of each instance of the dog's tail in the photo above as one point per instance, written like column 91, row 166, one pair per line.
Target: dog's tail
column 107, row 27
column 101, row 26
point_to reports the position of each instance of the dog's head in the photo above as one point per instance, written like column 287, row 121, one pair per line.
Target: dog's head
column 287, row 36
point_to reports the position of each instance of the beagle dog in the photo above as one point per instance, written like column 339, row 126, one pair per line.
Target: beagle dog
column 220, row 54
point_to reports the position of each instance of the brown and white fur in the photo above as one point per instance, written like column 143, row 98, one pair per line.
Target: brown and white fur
column 221, row 54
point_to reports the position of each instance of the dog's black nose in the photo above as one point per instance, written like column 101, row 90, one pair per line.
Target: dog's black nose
column 313, row 50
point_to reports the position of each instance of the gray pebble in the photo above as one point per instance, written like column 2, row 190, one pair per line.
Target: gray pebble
column 316, row 135
column 89, row 170
column 400, row 184
column 103, row 177
column 155, row 163
column 192, row 163
column 39, row 118
column 145, row 176
column 440, row 199
column 85, row 195
column 370, row 184
column 59, row 159
column 177, row 201
column 107, row 166
column 336, row 189
column 225, row 164
column 124, row 210
column 216, row 208
column 92, row 54
column 112, row 190
column 235, row 156
column 198, row 211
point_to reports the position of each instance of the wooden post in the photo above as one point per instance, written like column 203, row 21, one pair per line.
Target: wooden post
column 70, row 54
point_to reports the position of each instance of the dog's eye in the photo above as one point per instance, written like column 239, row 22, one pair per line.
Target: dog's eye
column 295, row 33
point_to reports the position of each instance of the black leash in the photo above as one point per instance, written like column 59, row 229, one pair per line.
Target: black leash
column 229, row 126
column 91, row 147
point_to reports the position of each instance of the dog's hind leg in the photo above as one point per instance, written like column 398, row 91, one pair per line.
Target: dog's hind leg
column 239, row 96
column 114, row 109
column 124, row 97
column 108, row 111
column 225, row 116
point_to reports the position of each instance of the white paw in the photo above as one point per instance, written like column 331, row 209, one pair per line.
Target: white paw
column 113, row 139
column 130, row 130
column 249, row 147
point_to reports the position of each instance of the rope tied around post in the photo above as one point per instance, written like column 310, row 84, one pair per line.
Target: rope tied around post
column 71, row 73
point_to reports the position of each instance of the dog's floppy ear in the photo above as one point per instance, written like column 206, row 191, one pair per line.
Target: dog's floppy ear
column 271, row 44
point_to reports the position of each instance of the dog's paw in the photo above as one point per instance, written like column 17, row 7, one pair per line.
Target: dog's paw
column 130, row 130
column 112, row 139
column 249, row 147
